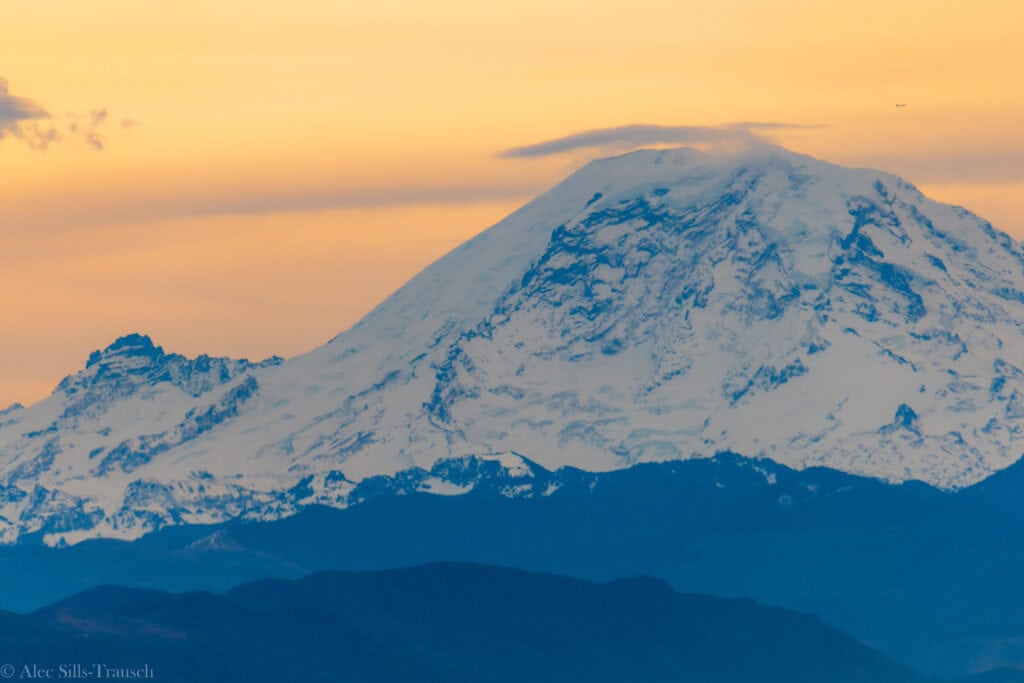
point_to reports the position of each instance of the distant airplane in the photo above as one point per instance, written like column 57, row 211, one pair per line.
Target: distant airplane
column 900, row 105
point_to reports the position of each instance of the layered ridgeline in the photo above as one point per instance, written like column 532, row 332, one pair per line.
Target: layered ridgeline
column 455, row 623
column 653, row 306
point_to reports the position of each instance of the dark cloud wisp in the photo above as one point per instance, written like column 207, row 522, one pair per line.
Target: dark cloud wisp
column 14, row 109
column 621, row 138
column 20, row 118
column 23, row 119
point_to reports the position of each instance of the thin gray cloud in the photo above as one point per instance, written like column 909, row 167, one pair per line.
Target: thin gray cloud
column 622, row 138
column 87, row 211
column 20, row 117
column 361, row 198
column 25, row 120
column 14, row 109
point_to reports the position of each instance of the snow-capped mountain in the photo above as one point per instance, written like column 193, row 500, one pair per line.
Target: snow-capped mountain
column 653, row 306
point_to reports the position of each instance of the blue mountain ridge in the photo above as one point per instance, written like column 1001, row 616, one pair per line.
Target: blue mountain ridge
column 441, row 622
column 930, row 577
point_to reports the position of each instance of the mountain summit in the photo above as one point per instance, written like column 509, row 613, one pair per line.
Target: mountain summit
column 653, row 306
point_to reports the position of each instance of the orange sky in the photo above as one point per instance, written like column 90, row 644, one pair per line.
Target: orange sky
column 270, row 170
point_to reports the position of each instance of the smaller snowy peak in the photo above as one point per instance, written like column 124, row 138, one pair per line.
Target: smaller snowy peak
column 93, row 458
column 134, row 364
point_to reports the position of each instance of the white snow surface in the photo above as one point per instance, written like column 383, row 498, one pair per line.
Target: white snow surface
column 653, row 306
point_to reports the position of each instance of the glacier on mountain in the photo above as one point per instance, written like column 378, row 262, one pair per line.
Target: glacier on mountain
column 659, row 305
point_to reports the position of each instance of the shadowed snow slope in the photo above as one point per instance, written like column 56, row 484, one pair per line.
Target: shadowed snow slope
column 654, row 306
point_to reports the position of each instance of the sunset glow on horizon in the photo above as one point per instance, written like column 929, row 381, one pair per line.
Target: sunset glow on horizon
column 248, row 179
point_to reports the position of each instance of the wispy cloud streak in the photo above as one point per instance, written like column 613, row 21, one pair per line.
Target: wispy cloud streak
column 621, row 138
column 25, row 120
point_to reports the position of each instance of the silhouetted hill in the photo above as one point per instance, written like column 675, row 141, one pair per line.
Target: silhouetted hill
column 441, row 622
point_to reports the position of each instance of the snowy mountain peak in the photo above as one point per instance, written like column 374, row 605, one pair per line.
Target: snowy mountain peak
column 133, row 363
column 654, row 306
column 773, row 306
